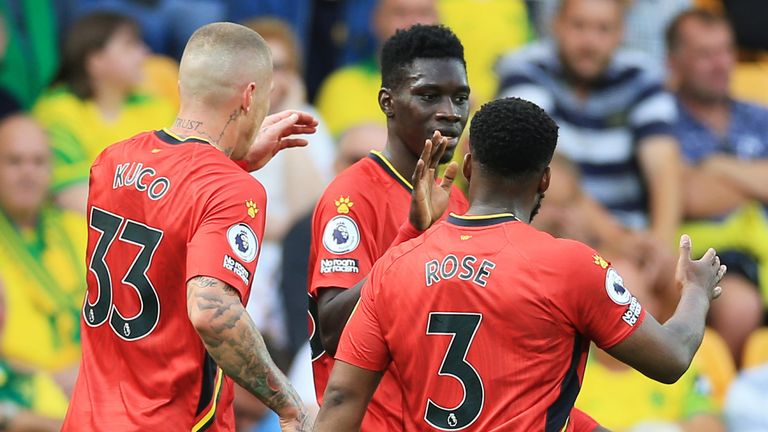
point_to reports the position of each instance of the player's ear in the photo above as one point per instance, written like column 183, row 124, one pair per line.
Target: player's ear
column 246, row 98
column 386, row 103
column 466, row 169
column 545, row 179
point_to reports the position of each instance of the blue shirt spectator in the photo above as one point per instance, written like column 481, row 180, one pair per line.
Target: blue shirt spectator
column 746, row 138
column 725, row 144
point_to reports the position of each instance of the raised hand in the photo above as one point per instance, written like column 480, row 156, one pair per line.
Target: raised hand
column 277, row 133
column 704, row 274
column 429, row 199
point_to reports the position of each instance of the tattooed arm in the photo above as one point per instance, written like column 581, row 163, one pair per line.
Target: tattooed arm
column 233, row 341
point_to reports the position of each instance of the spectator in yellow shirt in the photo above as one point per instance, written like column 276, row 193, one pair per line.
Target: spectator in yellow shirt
column 42, row 251
column 30, row 401
column 94, row 102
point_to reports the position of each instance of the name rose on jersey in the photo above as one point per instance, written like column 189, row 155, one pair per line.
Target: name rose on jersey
column 466, row 269
column 142, row 178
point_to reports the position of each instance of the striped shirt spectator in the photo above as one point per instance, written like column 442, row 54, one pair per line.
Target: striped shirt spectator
column 601, row 133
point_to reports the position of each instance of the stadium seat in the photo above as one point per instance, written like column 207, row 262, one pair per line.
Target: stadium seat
column 756, row 349
column 715, row 362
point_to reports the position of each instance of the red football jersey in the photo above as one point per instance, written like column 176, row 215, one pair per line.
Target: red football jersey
column 354, row 223
column 161, row 210
column 488, row 322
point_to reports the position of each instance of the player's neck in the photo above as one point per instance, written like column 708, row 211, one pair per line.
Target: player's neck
column 486, row 209
column 496, row 198
column 401, row 159
column 200, row 124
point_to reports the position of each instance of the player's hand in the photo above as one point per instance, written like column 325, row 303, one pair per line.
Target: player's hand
column 277, row 133
column 429, row 199
column 702, row 274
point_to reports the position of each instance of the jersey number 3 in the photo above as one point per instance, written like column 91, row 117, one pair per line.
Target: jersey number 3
column 462, row 327
column 103, row 309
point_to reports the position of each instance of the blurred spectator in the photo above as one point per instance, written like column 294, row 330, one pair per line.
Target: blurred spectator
column 161, row 79
column 32, row 53
column 748, row 80
column 645, row 23
column 348, row 96
column 615, row 118
column 745, row 407
column 30, row 401
column 354, row 145
column 615, row 123
column 725, row 146
column 293, row 180
column 165, row 24
column 94, row 102
column 487, row 29
column 42, row 250
column 622, row 399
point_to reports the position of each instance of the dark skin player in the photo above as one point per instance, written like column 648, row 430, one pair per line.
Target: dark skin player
column 430, row 105
column 662, row 352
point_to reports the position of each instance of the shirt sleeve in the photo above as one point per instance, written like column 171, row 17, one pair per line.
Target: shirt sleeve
column 226, row 243
column 362, row 343
column 602, row 308
column 344, row 237
column 654, row 112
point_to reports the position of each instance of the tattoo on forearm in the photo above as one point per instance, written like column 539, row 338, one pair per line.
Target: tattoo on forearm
column 238, row 348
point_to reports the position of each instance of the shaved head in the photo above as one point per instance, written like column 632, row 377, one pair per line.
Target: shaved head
column 225, row 78
column 220, row 60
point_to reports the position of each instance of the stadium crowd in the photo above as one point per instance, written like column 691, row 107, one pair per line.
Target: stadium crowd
column 663, row 131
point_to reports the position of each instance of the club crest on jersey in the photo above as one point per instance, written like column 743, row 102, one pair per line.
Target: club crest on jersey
column 343, row 204
column 243, row 242
column 614, row 285
column 252, row 208
column 341, row 235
